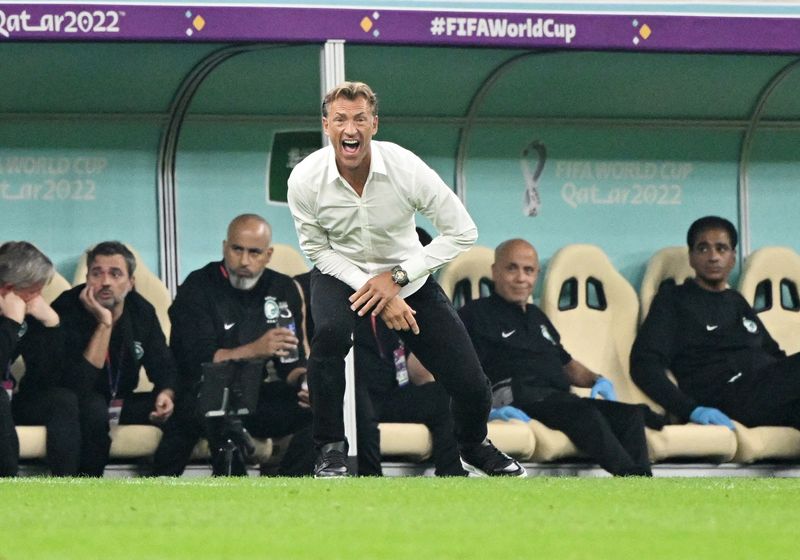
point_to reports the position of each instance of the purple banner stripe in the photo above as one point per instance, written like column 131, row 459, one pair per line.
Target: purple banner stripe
column 113, row 22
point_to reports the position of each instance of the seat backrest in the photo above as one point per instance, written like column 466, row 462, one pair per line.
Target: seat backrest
column 468, row 276
column 150, row 286
column 667, row 265
column 287, row 260
column 595, row 310
column 770, row 281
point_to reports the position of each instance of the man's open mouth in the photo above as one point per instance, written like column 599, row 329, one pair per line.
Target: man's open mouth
column 350, row 146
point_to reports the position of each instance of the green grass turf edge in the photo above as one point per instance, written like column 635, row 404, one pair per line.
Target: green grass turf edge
column 399, row 518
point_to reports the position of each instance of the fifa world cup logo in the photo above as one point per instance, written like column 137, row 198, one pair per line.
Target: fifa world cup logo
column 535, row 151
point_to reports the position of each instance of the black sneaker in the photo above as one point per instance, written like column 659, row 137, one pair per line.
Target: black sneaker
column 332, row 461
column 485, row 459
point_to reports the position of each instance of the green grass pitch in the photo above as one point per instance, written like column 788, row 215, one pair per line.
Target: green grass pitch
column 414, row 518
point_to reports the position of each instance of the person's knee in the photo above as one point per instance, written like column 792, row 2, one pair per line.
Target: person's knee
column 93, row 414
column 64, row 405
column 331, row 340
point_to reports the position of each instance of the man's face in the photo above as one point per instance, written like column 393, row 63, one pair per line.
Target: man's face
column 350, row 126
column 25, row 294
column 515, row 272
column 109, row 280
column 246, row 253
column 712, row 258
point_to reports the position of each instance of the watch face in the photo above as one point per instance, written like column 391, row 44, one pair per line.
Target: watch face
column 400, row 277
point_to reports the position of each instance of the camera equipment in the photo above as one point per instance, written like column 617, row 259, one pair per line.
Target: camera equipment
column 229, row 391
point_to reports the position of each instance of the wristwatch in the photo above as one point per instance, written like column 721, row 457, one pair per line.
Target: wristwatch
column 399, row 276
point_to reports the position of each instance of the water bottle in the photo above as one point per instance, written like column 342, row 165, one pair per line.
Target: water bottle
column 286, row 320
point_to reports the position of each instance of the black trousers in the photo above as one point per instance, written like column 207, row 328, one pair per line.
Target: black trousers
column 424, row 404
column 277, row 415
column 57, row 410
column 767, row 397
column 78, row 441
column 442, row 346
column 611, row 433
column 9, row 444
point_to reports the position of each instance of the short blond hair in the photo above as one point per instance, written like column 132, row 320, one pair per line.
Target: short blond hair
column 351, row 91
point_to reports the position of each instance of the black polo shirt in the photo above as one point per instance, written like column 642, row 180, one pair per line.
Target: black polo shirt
column 522, row 345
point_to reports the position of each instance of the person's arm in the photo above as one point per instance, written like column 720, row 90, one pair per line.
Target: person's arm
column 159, row 364
column 293, row 372
column 79, row 327
column 652, row 355
column 457, row 231
column 96, row 351
column 417, row 373
column 314, row 240
column 579, row 375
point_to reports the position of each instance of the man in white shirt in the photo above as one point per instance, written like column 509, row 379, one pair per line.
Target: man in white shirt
column 353, row 204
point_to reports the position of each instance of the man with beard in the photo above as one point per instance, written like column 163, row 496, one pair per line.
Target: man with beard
column 228, row 310
column 110, row 333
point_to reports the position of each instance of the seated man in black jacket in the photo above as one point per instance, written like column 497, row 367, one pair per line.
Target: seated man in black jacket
column 530, row 370
column 229, row 310
column 29, row 327
column 725, row 362
column 110, row 332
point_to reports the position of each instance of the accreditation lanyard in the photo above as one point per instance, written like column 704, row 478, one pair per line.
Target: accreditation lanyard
column 398, row 355
column 8, row 381
column 115, row 405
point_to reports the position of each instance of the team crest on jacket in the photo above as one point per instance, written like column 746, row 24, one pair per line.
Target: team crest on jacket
column 546, row 334
column 271, row 309
column 138, row 350
column 749, row 325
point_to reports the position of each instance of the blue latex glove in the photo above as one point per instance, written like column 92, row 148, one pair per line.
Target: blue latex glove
column 709, row 415
column 604, row 388
column 507, row 413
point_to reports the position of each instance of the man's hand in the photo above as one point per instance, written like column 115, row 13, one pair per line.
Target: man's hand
column 375, row 294
column 507, row 413
column 41, row 310
column 604, row 388
column 164, row 407
column 275, row 342
column 298, row 378
column 399, row 316
column 709, row 415
column 99, row 312
column 13, row 307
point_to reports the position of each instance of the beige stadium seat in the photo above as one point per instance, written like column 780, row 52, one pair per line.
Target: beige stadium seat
column 468, row 276
column 669, row 264
column 513, row 437
column 595, row 310
column 769, row 282
column 412, row 442
column 287, row 260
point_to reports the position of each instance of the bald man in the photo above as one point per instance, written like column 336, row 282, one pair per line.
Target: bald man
column 531, row 372
column 228, row 310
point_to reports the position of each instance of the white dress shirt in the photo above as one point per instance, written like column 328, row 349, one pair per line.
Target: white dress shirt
column 354, row 238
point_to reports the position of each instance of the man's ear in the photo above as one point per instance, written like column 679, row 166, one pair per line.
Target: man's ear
column 268, row 253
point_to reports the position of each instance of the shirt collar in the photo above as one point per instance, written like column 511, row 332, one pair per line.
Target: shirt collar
column 377, row 163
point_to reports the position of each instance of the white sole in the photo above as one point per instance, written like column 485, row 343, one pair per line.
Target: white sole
column 476, row 472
